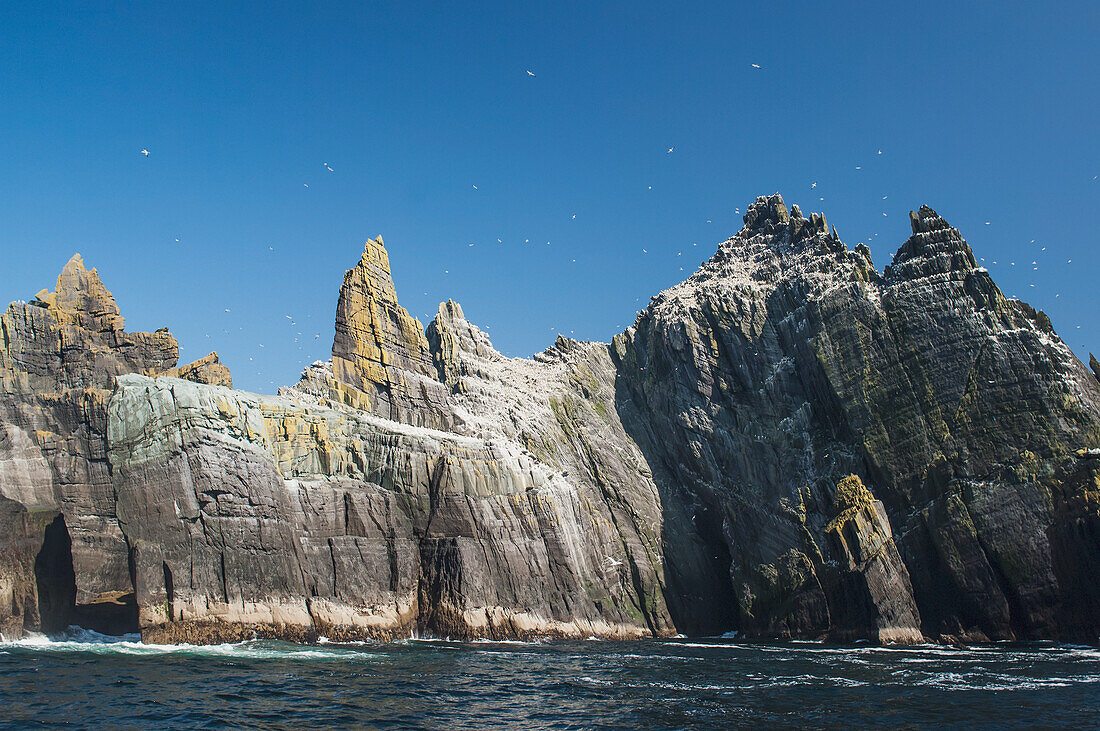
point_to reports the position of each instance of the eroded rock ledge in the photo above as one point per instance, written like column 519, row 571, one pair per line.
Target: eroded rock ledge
column 790, row 443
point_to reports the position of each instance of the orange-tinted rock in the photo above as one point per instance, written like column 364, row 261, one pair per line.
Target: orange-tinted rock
column 74, row 337
column 208, row 370
column 380, row 349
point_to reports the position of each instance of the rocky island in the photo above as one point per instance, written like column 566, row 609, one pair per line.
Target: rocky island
column 789, row 444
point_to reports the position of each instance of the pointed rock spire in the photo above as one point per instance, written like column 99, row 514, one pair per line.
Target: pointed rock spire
column 73, row 338
column 458, row 346
column 82, row 300
column 934, row 248
column 379, row 348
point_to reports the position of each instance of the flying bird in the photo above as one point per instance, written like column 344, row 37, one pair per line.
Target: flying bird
column 329, row 168
column 670, row 150
column 756, row 65
column 144, row 152
column 530, row 72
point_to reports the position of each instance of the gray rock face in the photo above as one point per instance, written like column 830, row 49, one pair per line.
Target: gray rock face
column 59, row 357
column 788, row 444
column 788, row 362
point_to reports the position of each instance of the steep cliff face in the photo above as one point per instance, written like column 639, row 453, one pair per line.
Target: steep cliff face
column 59, row 357
column 788, row 444
column 787, row 362
column 721, row 382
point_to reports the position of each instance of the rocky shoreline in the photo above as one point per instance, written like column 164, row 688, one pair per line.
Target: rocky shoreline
column 788, row 444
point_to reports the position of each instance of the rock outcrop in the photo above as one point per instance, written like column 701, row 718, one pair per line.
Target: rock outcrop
column 381, row 350
column 788, row 362
column 790, row 443
column 60, row 356
column 207, row 369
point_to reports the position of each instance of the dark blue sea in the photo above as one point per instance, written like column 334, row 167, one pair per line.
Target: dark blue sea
column 85, row 680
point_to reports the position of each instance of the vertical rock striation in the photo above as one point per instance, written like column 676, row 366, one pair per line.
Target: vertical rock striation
column 59, row 358
column 380, row 349
column 789, row 443
column 788, row 362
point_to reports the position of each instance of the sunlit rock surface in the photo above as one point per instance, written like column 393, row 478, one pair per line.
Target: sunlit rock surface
column 790, row 443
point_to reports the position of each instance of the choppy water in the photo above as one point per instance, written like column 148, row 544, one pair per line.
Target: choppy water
column 88, row 680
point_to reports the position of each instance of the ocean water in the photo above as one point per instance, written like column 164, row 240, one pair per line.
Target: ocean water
column 85, row 680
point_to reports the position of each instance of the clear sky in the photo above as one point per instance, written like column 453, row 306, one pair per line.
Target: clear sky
column 986, row 111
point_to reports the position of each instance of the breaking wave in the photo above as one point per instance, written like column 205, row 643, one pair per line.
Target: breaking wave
column 78, row 639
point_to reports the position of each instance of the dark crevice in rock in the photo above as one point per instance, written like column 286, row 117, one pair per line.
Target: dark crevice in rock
column 113, row 613
column 53, row 572
column 170, row 591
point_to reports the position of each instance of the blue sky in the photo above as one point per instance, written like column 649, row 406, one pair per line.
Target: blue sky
column 984, row 111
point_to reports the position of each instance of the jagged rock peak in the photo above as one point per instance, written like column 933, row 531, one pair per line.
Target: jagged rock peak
column 472, row 339
column 1094, row 365
column 925, row 220
column 73, row 338
column 767, row 209
column 456, row 343
column 768, row 215
column 81, row 299
column 374, row 334
column 380, row 350
column 935, row 247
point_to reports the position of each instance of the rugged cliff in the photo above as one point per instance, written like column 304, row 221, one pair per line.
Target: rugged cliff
column 790, row 443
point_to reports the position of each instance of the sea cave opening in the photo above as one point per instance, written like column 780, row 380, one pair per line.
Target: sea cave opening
column 109, row 613
column 56, row 580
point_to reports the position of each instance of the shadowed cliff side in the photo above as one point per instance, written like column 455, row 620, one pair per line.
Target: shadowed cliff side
column 788, row 362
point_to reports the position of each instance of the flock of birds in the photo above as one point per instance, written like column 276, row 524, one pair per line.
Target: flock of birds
column 813, row 187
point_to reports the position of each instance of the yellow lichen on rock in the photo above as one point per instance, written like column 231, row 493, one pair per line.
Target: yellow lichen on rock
column 850, row 498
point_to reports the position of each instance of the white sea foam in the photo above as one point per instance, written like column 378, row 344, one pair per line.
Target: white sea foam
column 999, row 681
column 485, row 641
column 77, row 639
